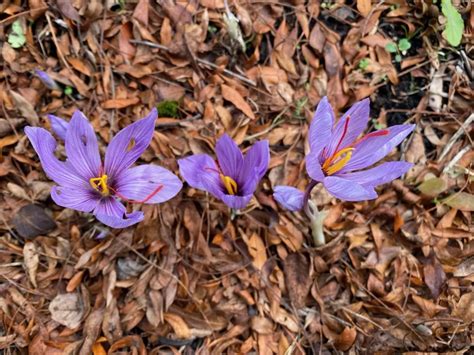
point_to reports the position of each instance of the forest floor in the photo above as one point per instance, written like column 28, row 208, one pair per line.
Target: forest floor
column 396, row 273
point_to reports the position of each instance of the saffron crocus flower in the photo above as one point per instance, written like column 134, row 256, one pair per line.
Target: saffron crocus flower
column 47, row 80
column 339, row 158
column 233, row 178
column 87, row 185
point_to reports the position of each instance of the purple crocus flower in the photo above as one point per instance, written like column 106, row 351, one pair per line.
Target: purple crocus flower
column 47, row 80
column 233, row 178
column 338, row 158
column 87, row 185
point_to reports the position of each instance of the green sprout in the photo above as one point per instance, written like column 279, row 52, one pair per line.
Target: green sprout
column 364, row 63
column 168, row 108
column 16, row 38
column 68, row 90
column 299, row 106
column 399, row 49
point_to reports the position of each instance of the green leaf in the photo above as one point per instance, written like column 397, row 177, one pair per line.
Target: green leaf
column 398, row 58
column 460, row 200
column 391, row 47
column 433, row 187
column 16, row 38
column 454, row 23
column 364, row 63
column 404, row 44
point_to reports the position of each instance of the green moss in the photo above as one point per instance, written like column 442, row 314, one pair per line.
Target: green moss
column 168, row 108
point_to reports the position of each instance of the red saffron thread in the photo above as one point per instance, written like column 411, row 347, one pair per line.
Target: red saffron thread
column 146, row 199
column 344, row 132
column 380, row 133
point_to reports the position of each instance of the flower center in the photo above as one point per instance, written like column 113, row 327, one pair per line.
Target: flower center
column 335, row 163
column 100, row 184
column 229, row 184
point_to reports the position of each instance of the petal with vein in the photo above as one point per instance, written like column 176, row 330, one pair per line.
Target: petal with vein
column 59, row 126
column 193, row 168
column 82, row 148
column 128, row 144
column 143, row 183
column 78, row 199
column 320, row 129
column 381, row 174
column 113, row 214
column 347, row 190
column 289, row 197
column 229, row 156
column 44, row 144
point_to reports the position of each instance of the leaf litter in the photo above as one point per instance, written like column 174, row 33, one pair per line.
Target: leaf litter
column 396, row 272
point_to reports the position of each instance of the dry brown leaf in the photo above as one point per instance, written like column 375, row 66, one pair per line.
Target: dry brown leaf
column 179, row 326
column 120, row 103
column 234, row 97
column 31, row 260
column 364, row 7
column 67, row 309
column 257, row 250
column 26, row 108
column 345, row 340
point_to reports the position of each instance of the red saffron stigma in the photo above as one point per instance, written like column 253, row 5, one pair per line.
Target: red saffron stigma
column 145, row 200
column 212, row 169
column 344, row 132
column 382, row 132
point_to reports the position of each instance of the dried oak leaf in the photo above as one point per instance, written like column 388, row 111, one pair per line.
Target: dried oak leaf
column 297, row 278
column 32, row 221
column 67, row 309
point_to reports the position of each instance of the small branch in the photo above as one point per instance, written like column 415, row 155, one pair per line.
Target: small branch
column 456, row 136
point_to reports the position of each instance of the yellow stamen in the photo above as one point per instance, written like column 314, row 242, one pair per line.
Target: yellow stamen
column 339, row 164
column 100, row 184
column 229, row 184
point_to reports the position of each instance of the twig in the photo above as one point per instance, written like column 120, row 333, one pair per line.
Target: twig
column 199, row 60
column 22, row 14
column 455, row 137
column 456, row 158
column 55, row 40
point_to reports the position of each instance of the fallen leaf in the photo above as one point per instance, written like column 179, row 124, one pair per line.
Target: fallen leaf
column 26, row 108
column 345, row 340
column 256, row 250
column 31, row 261
column 32, row 221
column 460, row 200
column 179, row 326
column 120, row 103
column 298, row 282
column 434, row 276
column 68, row 10
column 233, row 96
column 67, row 309
column 364, row 7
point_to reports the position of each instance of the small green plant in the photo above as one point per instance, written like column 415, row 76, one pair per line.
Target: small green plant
column 364, row 63
column 168, row 108
column 399, row 49
column 68, row 90
column 454, row 23
column 16, row 38
column 299, row 106
column 378, row 125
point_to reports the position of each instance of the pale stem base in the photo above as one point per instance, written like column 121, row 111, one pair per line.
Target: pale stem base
column 317, row 220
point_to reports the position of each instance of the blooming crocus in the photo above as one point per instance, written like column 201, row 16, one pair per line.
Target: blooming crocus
column 339, row 156
column 85, row 184
column 233, row 178
column 47, row 80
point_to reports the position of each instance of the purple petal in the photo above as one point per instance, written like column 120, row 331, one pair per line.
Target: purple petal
column 127, row 146
column 313, row 167
column 79, row 199
column 348, row 129
column 249, row 185
column 82, row 148
column 44, row 144
column 256, row 160
column 348, row 190
column 320, row 129
column 289, row 197
column 213, row 186
column 370, row 151
column 229, row 156
column 381, row 174
column 47, row 80
column 193, row 168
column 113, row 214
column 59, row 126
column 141, row 182
column 237, row 202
